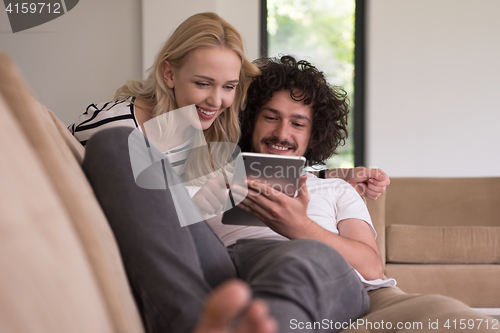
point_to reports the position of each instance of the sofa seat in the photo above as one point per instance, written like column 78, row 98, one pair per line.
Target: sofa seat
column 474, row 284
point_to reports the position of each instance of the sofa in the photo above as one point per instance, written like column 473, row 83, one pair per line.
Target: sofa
column 442, row 235
column 60, row 267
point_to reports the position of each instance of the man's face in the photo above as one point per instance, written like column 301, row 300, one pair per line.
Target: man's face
column 283, row 126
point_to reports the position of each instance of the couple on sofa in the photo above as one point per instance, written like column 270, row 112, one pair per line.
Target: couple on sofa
column 172, row 270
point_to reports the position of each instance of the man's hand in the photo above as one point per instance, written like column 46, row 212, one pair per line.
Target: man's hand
column 368, row 182
column 285, row 215
column 211, row 198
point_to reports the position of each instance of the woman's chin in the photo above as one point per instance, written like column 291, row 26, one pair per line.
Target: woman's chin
column 205, row 125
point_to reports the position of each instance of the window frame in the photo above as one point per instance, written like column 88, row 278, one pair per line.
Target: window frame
column 359, row 72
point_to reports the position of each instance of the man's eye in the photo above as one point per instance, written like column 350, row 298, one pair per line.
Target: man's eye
column 270, row 118
column 299, row 125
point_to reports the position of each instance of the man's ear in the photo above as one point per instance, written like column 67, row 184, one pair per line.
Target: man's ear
column 168, row 74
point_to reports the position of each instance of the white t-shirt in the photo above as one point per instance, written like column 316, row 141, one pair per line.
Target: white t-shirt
column 331, row 201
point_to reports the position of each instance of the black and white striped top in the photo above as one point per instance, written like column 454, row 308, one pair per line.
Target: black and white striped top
column 102, row 116
column 116, row 114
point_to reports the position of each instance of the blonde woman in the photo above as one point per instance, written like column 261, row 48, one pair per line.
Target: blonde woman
column 202, row 64
column 172, row 270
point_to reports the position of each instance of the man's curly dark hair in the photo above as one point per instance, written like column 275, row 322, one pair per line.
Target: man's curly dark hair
column 307, row 84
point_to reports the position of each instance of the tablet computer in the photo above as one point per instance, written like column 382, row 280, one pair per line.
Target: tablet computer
column 281, row 172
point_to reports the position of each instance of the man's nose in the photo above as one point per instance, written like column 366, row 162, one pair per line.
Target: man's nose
column 282, row 131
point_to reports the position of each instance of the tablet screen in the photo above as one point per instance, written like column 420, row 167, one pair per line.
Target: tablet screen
column 278, row 171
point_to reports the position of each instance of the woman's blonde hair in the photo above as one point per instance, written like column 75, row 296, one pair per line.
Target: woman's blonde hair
column 199, row 30
column 204, row 30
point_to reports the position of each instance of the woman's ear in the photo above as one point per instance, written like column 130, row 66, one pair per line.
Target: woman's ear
column 168, row 74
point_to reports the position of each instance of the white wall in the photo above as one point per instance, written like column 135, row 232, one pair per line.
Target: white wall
column 433, row 86
column 83, row 56
column 160, row 18
column 433, row 71
column 79, row 58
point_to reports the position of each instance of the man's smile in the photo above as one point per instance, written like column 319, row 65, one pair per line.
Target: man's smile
column 274, row 146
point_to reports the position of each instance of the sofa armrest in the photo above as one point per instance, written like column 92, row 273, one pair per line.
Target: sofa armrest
column 377, row 213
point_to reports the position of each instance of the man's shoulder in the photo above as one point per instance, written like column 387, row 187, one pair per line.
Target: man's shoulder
column 331, row 187
column 313, row 179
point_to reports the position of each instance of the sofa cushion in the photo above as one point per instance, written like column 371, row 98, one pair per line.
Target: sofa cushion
column 58, row 156
column 476, row 285
column 377, row 213
column 392, row 310
column 47, row 284
column 443, row 245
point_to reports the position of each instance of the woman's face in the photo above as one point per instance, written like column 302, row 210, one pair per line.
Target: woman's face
column 208, row 79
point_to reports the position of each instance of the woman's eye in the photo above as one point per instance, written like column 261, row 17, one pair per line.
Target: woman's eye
column 229, row 87
column 202, row 84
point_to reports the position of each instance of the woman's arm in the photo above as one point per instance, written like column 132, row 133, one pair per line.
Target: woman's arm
column 368, row 182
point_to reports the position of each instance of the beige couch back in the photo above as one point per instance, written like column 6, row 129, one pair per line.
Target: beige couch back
column 60, row 269
column 443, row 201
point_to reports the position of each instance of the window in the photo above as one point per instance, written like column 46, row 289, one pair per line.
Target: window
column 322, row 32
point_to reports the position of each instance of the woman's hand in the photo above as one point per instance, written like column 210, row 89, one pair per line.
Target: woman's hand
column 212, row 197
column 368, row 182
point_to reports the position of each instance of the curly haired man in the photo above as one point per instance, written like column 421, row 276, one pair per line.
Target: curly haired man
column 292, row 110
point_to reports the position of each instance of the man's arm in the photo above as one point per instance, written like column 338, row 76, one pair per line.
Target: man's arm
column 288, row 217
column 355, row 243
column 368, row 182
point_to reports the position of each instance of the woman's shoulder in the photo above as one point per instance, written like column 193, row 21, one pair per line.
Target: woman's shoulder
column 103, row 115
column 117, row 106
